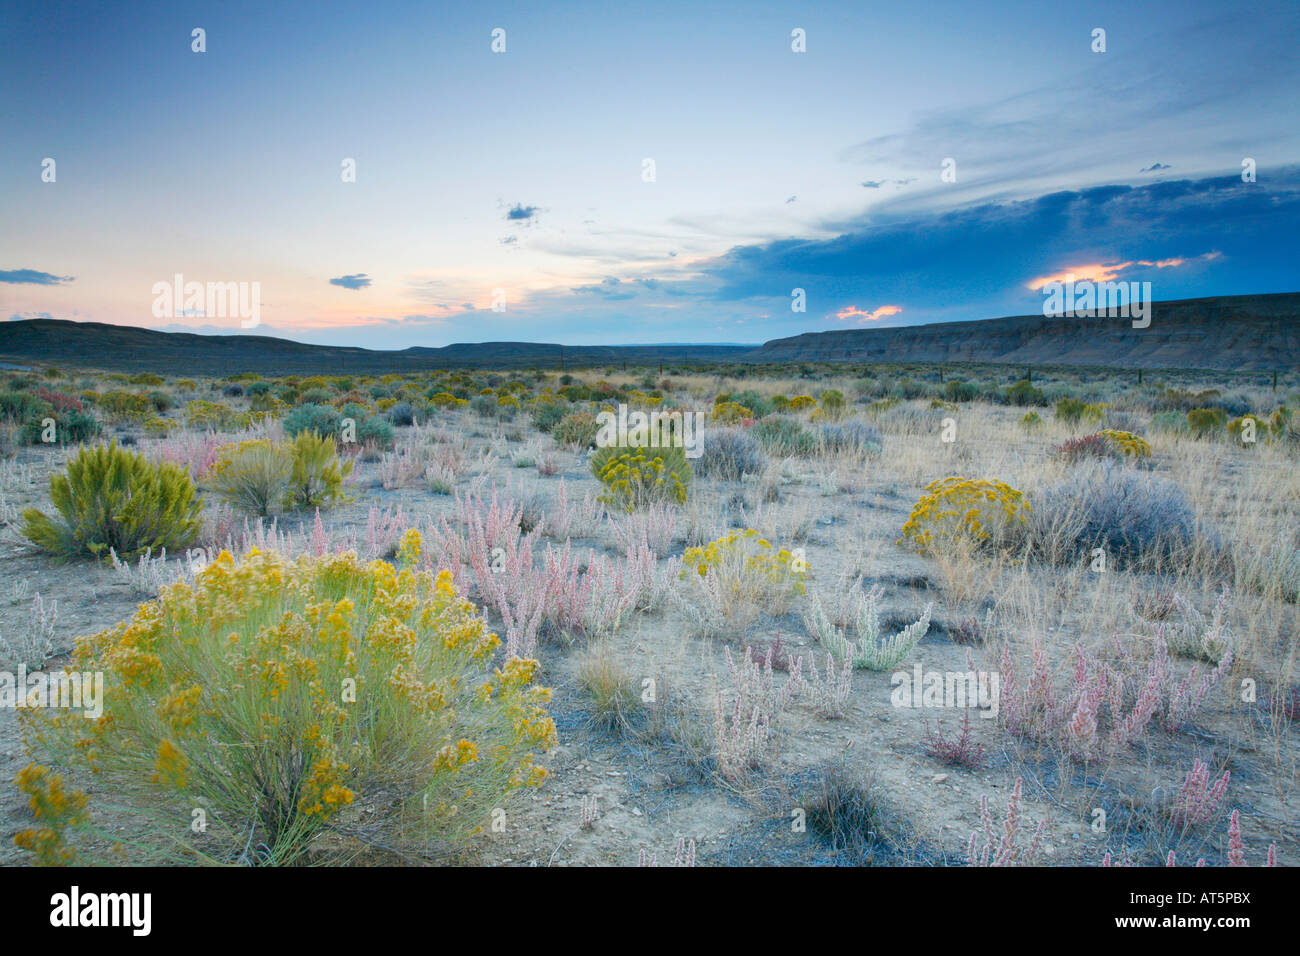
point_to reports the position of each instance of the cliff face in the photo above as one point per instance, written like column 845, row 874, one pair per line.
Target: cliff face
column 1243, row 333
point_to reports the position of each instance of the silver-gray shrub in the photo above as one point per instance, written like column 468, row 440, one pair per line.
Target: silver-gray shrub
column 851, row 437
column 729, row 454
column 1139, row 519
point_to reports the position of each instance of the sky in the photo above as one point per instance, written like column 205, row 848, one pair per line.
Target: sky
column 636, row 172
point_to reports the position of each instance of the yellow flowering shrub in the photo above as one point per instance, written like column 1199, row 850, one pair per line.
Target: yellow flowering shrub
column 800, row 402
column 56, row 808
column 1128, row 443
column 637, row 477
column 729, row 413
column 1246, row 435
column 970, row 508
column 741, row 573
column 272, row 697
column 202, row 414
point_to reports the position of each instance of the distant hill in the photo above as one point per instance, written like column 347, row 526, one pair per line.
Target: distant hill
column 1238, row 333
column 1233, row 333
column 124, row 348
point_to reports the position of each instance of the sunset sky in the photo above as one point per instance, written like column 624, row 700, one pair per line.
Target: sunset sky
column 523, row 170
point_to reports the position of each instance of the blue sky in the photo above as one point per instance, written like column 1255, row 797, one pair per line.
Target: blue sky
column 522, row 171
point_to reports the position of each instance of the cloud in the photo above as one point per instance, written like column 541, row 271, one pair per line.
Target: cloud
column 608, row 288
column 874, row 183
column 1154, row 167
column 32, row 277
column 519, row 212
column 791, row 199
column 358, row 281
column 864, row 317
column 1102, row 272
column 1213, row 236
column 509, row 240
column 23, row 316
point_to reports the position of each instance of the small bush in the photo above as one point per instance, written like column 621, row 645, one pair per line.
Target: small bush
column 1071, row 410
column 853, row 437
column 955, row 390
column 729, row 454
column 1031, row 421
column 577, row 430
column 1204, row 422
column 111, row 498
column 1137, row 518
column 227, row 695
column 1133, row 446
column 784, row 437
column 832, row 405
column 402, row 414
column 1077, row 449
column 735, row 577
column 319, row 419
column 315, row 475
column 975, row 509
column 376, row 432
column 546, row 415
column 638, row 477
column 1024, row 393
column 1247, row 431
column 251, row 476
column 70, row 428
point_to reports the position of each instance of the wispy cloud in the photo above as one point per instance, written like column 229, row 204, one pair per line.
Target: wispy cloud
column 863, row 316
column 32, row 277
column 358, row 281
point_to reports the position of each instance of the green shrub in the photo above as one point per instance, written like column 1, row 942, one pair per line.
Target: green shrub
column 1024, row 393
column 1206, row 421
column 784, row 437
column 377, row 432
column 577, row 429
column 316, row 475
column 546, row 415
column 251, row 476
column 282, row 697
column 832, row 405
column 126, row 405
column 955, row 390
column 637, row 477
column 318, row 396
column 1070, row 410
column 319, row 419
column 21, row 406
column 111, row 498
column 70, row 428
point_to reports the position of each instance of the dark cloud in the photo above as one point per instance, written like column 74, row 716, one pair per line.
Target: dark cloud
column 1155, row 167
column 358, row 281
column 32, row 277
column 983, row 256
column 519, row 212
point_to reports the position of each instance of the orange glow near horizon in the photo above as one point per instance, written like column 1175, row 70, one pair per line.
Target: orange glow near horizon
column 1099, row 272
column 863, row 317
